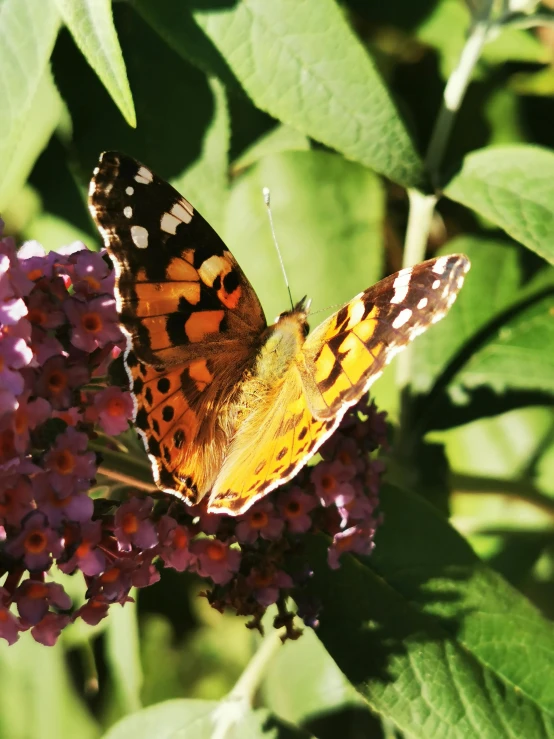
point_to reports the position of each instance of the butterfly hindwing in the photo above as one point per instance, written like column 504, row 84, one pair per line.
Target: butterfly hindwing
column 338, row 363
column 189, row 313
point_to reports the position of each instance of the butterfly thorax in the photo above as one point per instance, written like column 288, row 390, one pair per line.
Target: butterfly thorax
column 280, row 348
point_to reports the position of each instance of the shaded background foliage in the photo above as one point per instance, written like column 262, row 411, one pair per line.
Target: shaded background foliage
column 443, row 632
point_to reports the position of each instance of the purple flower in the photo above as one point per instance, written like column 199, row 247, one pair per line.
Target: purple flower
column 58, row 379
column 216, row 559
column 174, row 544
column 260, row 520
column 93, row 611
column 133, row 527
column 266, row 586
column 295, row 506
column 358, row 539
column 34, row 597
column 36, row 543
column 90, row 273
column 27, row 417
column 113, row 409
column 9, row 623
column 86, row 556
column 69, row 506
column 14, row 355
column 16, row 499
column 332, row 481
column 14, row 286
column 49, row 628
column 44, row 311
column 70, row 466
column 94, row 323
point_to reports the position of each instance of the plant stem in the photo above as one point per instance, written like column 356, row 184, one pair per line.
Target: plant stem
column 453, row 96
column 241, row 698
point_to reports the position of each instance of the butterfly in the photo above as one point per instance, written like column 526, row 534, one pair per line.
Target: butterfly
column 227, row 406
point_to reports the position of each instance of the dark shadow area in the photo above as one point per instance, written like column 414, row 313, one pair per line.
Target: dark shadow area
column 351, row 722
column 171, row 97
column 405, row 14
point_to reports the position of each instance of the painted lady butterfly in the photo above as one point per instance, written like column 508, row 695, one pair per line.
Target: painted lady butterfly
column 227, row 406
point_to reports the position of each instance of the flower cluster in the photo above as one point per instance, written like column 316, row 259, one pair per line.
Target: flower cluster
column 58, row 335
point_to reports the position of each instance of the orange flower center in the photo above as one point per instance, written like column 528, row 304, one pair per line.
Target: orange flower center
column 83, row 549
column 57, row 380
column 180, row 539
column 37, row 590
column 111, row 575
column 345, row 457
column 4, row 615
column 64, row 462
column 130, row 523
column 92, row 283
column 35, row 542
column 294, row 508
column 6, row 505
column 37, row 316
column 7, row 445
column 259, row 519
column 262, row 581
column 328, row 483
column 115, row 407
column 216, row 551
column 92, row 323
column 56, row 502
column 34, row 274
column 20, row 421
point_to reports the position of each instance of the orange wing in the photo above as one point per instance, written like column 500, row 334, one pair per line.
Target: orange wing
column 192, row 319
column 334, row 369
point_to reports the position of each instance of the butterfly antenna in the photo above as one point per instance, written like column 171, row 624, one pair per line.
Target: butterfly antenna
column 267, row 201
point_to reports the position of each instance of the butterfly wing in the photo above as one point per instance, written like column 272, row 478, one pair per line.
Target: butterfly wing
column 339, row 362
column 348, row 351
column 191, row 317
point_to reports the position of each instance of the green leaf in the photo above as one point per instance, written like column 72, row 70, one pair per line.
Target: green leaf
column 38, row 696
column 29, row 104
column 513, row 186
column 205, row 182
column 300, row 62
column 279, row 139
column 422, row 631
column 304, row 686
column 91, row 25
column 197, row 719
column 328, row 214
column 123, row 653
column 43, row 116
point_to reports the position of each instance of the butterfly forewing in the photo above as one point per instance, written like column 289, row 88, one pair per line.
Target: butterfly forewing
column 348, row 351
column 192, row 319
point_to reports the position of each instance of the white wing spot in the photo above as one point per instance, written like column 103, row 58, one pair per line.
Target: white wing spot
column 436, row 284
column 402, row 318
column 144, row 176
column 440, row 265
column 169, row 223
column 460, row 282
column 140, row 236
column 183, row 210
column 129, row 190
column 128, row 211
column 422, row 303
column 401, row 285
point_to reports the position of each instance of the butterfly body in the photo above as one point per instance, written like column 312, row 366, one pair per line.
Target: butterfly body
column 228, row 407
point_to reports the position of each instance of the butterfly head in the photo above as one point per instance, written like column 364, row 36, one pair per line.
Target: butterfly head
column 298, row 314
